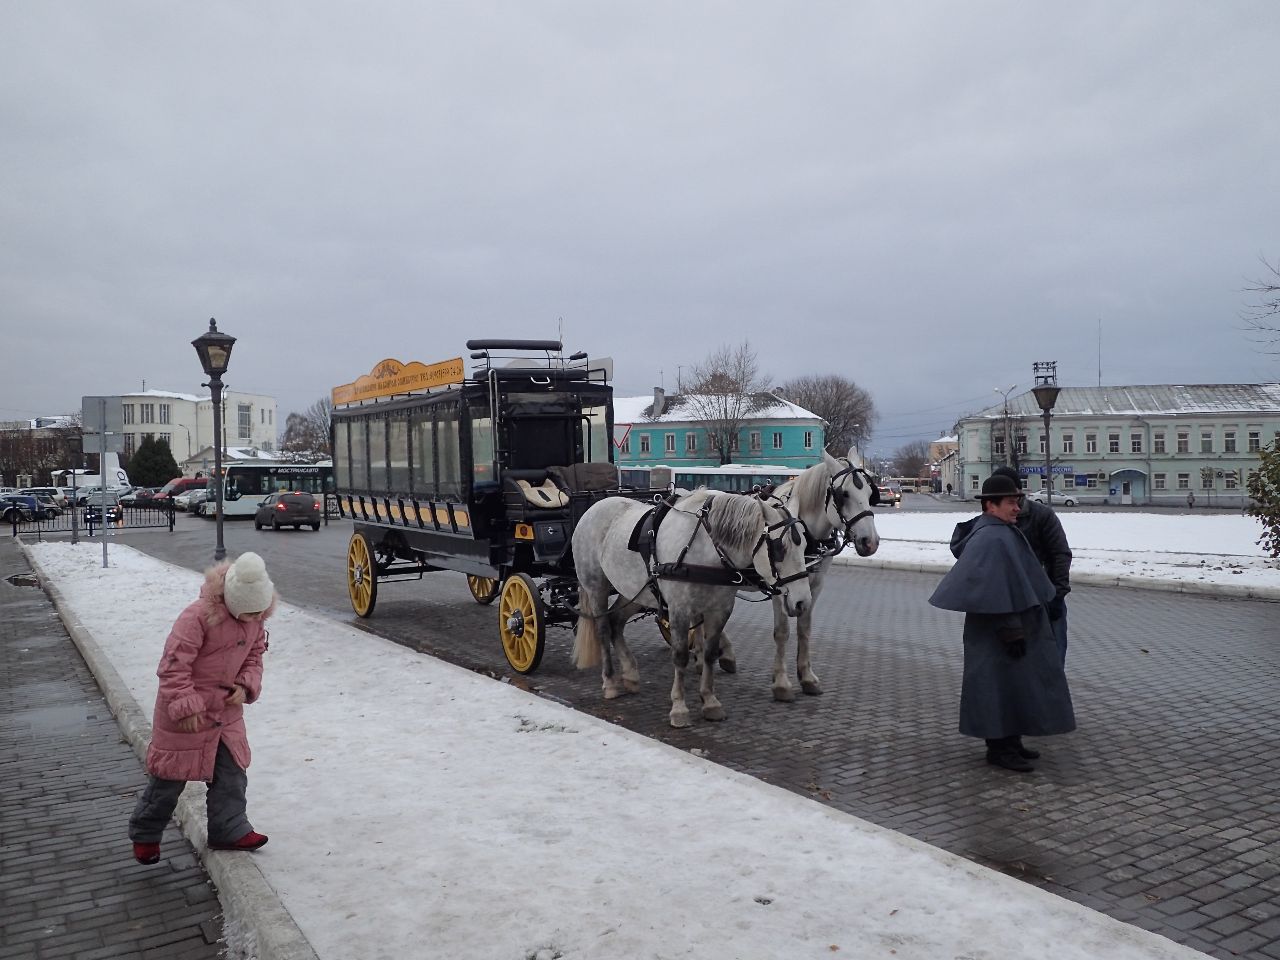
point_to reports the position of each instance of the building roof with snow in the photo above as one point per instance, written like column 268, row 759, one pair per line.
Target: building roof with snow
column 1213, row 399
column 678, row 408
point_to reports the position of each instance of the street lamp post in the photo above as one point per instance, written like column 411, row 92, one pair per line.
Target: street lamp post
column 1046, row 393
column 214, row 349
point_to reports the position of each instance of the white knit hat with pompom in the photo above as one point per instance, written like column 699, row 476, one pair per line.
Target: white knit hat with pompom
column 248, row 589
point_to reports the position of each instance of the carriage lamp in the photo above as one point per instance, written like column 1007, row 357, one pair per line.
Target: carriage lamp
column 1046, row 393
column 214, row 349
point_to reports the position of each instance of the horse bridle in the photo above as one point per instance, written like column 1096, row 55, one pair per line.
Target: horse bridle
column 856, row 474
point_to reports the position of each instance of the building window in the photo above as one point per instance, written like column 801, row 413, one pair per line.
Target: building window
column 1206, row 442
column 1232, row 479
column 1021, row 443
column 1229, row 442
column 128, row 412
column 1157, row 442
column 777, row 439
column 1184, row 481
column 149, row 436
column 669, row 442
column 1068, row 443
column 1044, row 442
column 691, row 443
column 1158, row 481
column 130, row 443
column 753, row 438
column 1113, row 443
column 244, row 421
column 1255, row 441
column 644, row 444
column 262, row 416
column 734, row 443
column 164, row 413
column 148, row 413
column 808, row 439
column 973, row 482
column 626, row 444
column 1135, row 443
column 997, row 446
column 167, row 440
column 1206, row 479
column 1184, row 442
column 1090, row 443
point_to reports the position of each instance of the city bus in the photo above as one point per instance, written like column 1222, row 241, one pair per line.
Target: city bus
column 733, row 477
column 248, row 483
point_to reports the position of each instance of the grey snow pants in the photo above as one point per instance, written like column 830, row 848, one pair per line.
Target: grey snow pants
column 225, row 804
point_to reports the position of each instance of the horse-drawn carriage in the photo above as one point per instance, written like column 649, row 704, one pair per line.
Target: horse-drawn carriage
column 484, row 474
column 507, row 476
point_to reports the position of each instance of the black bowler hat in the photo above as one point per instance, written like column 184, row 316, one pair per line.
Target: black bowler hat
column 998, row 485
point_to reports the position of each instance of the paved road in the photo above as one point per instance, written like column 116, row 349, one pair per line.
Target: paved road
column 1161, row 810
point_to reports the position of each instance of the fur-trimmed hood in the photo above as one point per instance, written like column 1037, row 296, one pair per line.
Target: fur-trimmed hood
column 211, row 595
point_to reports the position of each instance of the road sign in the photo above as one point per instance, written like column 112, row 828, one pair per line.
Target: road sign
column 102, row 414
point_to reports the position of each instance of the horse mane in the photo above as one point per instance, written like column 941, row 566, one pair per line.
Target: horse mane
column 735, row 519
column 809, row 490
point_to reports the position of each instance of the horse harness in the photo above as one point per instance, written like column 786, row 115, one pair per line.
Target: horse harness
column 815, row 550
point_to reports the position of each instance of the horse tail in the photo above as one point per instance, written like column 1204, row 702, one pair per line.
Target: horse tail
column 586, row 639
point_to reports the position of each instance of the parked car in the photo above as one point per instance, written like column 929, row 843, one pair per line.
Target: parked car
column 53, row 493
column 1060, row 498
column 180, row 485
column 190, row 500
column 93, row 509
column 15, row 506
column 284, row 509
column 140, row 497
column 48, row 508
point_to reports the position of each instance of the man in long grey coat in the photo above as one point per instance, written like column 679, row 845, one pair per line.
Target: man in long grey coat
column 1014, row 684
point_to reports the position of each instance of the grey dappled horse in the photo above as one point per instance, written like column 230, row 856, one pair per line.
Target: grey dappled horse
column 754, row 538
column 833, row 499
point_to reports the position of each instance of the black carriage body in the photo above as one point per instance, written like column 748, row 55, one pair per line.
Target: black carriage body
column 433, row 481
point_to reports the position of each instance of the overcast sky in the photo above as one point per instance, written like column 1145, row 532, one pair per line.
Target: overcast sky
column 923, row 197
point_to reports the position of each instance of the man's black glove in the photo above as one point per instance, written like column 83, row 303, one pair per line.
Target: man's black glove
column 1015, row 644
column 1057, row 608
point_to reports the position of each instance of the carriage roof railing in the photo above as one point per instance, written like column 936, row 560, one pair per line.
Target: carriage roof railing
column 551, row 365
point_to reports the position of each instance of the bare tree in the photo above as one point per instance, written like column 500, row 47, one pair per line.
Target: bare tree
column 910, row 459
column 320, row 416
column 1264, row 316
column 848, row 409
column 306, row 435
column 722, row 392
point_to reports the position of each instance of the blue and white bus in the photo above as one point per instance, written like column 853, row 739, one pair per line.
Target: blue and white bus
column 248, row 483
column 733, row 477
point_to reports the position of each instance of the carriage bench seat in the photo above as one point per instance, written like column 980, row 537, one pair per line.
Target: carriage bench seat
column 546, row 494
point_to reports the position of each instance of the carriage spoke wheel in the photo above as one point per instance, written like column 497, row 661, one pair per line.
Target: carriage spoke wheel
column 362, row 575
column 522, row 623
column 484, row 589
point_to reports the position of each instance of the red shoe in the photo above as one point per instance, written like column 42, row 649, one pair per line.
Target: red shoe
column 147, row 853
column 250, row 841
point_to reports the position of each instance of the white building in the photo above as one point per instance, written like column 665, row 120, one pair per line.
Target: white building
column 185, row 421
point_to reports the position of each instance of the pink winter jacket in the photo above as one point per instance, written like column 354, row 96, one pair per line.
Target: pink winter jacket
column 207, row 653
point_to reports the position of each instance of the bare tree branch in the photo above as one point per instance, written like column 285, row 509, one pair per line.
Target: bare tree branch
column 1263, row 317
column 723, row 391
column 848, row 409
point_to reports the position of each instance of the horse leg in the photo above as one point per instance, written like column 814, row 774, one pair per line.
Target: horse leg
column 626, row 659
column 808, row 679
column 728, row 661
column 712, row 630
column 783, row 692
column 679, row 716
column 608, row 667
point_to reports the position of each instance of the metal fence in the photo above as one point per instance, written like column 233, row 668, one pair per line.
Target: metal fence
column 86, row 521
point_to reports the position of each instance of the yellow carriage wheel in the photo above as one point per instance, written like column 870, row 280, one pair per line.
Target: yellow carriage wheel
column 522, row 623
column 362, row 575
column 484, row 589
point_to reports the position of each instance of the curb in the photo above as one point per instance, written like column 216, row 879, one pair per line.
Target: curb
column 249, row 903
column 1242, row 592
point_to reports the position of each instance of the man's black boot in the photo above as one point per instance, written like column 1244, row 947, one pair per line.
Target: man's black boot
column 1003, row 752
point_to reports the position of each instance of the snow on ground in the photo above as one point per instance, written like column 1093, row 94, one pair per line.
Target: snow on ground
column 1165, row 549
column 415, row 807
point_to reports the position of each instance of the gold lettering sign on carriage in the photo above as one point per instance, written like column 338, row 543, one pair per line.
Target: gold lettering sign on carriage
column 391, row 377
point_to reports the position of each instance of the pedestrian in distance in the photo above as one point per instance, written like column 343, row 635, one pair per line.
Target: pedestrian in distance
column 1191, row 499
column 211, row 667
column 1014, row 684
column 1043, row 530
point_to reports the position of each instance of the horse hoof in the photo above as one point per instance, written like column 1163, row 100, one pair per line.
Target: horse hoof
column 784, row 694
column 633, row 686
column 812, row 687
column 612, row 693
column 681, row 720
column 728, row 665
column 713, row 713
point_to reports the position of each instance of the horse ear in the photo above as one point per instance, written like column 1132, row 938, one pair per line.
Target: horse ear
column 853, row 452
column 832, row 463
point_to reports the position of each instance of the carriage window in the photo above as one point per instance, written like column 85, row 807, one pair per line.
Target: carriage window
column 360, row 454
column 341, row 455
column 398, row 449
column 378, row 454
column 449, row 475
column 424, row 447
column 481, row 444
column 595, row 434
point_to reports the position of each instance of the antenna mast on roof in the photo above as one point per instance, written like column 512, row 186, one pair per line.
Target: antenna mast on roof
column 1099, row 351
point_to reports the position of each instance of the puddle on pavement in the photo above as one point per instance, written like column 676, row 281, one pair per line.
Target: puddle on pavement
column 23, row 580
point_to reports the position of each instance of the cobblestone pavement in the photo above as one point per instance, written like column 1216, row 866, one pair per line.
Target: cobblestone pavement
column 69, row 887
column 1161, row 810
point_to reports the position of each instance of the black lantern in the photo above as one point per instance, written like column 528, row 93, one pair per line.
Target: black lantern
column 1046, row 393
column 214, row 349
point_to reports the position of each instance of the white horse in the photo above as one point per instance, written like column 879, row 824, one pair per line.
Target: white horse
column 708, row 547
column 833, row 499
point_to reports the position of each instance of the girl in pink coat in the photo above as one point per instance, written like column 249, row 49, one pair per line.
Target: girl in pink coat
column 210, row 668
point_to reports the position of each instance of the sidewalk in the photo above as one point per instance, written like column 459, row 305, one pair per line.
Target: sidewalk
column 417, row 809
column 68, row 886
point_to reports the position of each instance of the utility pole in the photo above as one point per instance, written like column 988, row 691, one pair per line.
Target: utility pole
column 1008, row 433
